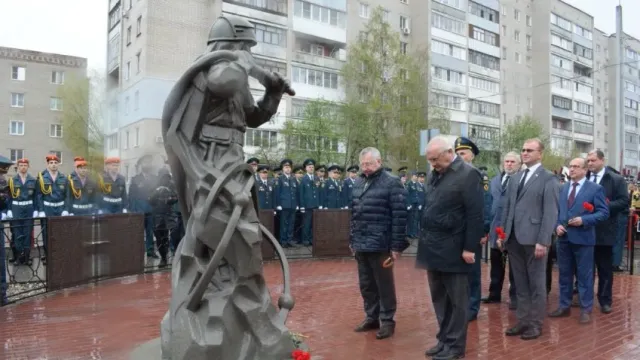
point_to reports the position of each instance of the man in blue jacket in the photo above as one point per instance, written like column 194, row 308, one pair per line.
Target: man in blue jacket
column 378, row 237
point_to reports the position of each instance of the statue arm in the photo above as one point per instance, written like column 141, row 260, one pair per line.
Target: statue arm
column 226, row 78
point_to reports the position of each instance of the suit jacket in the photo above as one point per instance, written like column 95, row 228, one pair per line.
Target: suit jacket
column 452, row 219
column 591, row 193
column 615, row 191
column 535, row 211
column 496, row 206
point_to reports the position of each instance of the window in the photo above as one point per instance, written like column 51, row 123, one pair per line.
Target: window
column 504, row 10
column 127, row 70
column 483, row 35
column 582, row 88
column 631, row 104
column 578, row 30
column 265, row 139
column 129, row 36
column 630, row 138
column 560, row 102
column 630, row 87
column 453, row 3
column 18, row 73
column 16, row 127
column 57, row 153
column 17, row 100
column 516, row 36
column 583, row 108
column 485, row 108
column 631, row 154
column 561, row 22
column 630, row 120
column 403, row 47
column 126, row 140
column 16, row 154
column 440, row 21
column 582, row 128
column 448, row 49
column 529, row 21
column 273, row 66
column 483, row 12
column 484, row 60
column 271, row 35
column 277, row 6
column 55, row 130
column 314, row 12
column 448, row 101
column 126, row 105
column 582, row 51
column 504, row 53
column 57, row 77
column 364, row 11
column 112, row 141
column 55, row 104
column 404, row 1
column 484, row 84
column 561, row 42
column 298, row 109
column 138, row 62
column 516, row 14
column 447, row 75
column 561, row 62
column 517, row 58
column 404, row 22
column 560, row 83
column 482, row 132
column 504, row 30
column 315, row 77
column 631, row 54
column 136, row 100
column 528, row 41
column 136, row 139
column 139, row 26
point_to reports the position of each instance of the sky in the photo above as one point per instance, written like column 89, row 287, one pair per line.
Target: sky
column 78, row 27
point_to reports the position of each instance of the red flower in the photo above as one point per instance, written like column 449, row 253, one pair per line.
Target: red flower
column 300, row 355
column 500, row 233
column 587, row 206
column 635, row 218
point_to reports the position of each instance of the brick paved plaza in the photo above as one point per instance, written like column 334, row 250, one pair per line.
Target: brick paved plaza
column 108, row 320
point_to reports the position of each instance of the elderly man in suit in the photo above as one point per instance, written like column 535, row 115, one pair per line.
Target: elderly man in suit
column 452, row 225
column 529, row 217
column 581, row 206
column 615, row 191
column 498, row 187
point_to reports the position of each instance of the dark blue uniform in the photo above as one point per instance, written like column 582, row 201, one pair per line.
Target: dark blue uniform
column 264, row 188
column 286, row 201
column 332, row 194
column 52, row 197
column 310, row 199
column 22, row 204
column 113, row 194
column 347, row 190
column 413, row 211
column 140, row 190
column 81, row 196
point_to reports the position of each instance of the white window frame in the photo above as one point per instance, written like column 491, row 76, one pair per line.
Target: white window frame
column 56, row 104
column 17, row 71
column 55, row 131
column 57, row 153
column 136, row 138
column 364, row 11
column 19, row 131
column 57, row 77
column 16, row 154
column 19, row 100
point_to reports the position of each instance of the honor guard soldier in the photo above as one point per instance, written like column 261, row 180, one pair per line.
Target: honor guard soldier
column 413, row 206
column 162, row 200
column 310, row 199
column 264, row 188
column 298, row 171
column 286, row 201
column 113, row 187
column 23, row 208
column 421, row 176
column 52, row 194
column 321, row 173
column 347, row 185
column 82, row 192
column 467, row 150
column 277, row 171
column 140, row 190
column 332, row 189
column 254, row 161
column 402, row 174
column 5, row 164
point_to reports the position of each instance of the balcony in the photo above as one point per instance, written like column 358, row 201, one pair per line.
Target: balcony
column 113, row 3
column 484, row 71
column 449, row 87
column 562, row 52
column 561, row 132
column 562, row 32
column 483, row 120
column 319, row 30
column 583, row 61
column 270, row 50
column 561, row 113
column 583, row 117
column 322, row 61
column 583, row 137
column 275, row 11
column 631, row 128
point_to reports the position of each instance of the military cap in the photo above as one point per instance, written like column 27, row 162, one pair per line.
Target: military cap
column 23, row 161
column 422, row 174
column 334, row 167
column 112, row 160
column 277, row 168
column 388, row 169
column 253, row 160
column 309, row 162
column 285, row 162
column 353, row 168
column 5, row 162
column 462, row 143
column 297, row 169
column 52, row 157
column 482, row 168
column 402, row 170
column 263, row 167
column 321, row 168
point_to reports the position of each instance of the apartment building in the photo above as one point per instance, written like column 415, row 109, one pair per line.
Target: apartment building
column 30, row 106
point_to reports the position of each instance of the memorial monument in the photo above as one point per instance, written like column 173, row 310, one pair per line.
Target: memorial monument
column 220, row 305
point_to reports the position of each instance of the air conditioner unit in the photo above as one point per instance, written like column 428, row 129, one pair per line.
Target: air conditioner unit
column 406, row 31
column 159, row 140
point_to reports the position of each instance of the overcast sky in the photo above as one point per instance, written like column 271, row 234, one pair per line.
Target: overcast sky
column 78, row 27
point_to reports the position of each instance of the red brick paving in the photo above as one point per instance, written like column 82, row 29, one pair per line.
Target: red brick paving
column 107, row 321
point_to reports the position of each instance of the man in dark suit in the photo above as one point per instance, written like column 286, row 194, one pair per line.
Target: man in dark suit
column 615, row 191
column 581, row 206
column 452, row 225
column 529, row 218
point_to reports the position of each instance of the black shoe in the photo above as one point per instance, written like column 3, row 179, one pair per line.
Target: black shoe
column 531, row 334
column 490, row 300
column 605, row 309
column 448, row 355
column 435, row 350
column 585, row 318
column 163, row 262
column 386, row 331
column 519, row 329
column 153, row 255
column 367, row 325
column 617, row 269
column 560, row 313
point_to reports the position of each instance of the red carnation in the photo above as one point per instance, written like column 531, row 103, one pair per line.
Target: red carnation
column 300, row 355
column 635, row 218
column 587, row 206
column 500, row 232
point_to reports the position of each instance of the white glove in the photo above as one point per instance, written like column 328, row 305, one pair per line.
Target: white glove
column 65, row 213
column 99, row 212
column 124, row 211
column 9, row 214
column 35, row 214
column 302, row 211
column 408, row 207
column 297, row 208
column 70, row 214
column 419, row 207
column 320, row 207
column 3, row 216
column 275, row 213
column 346, row 207
column 279, row 208
column 41, row 214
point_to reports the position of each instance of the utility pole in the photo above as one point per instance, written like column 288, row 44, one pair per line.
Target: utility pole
column 619, row 103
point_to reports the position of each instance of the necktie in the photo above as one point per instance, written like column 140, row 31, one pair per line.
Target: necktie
column 572, row 196
column 595, row 178
column 524, row 178
column 505, row 182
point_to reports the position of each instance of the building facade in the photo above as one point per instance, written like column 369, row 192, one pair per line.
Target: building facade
column 30, row 107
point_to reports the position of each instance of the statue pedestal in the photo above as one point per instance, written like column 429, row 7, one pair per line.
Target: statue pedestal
column 151, row 350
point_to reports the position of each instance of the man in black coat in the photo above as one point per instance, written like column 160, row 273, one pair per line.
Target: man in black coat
column 615, row 190
column 452, row 224
column 162, row 201
column 378, row 237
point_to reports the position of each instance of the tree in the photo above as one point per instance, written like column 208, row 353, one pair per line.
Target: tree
column 386, row 95
column 317, row 135
column 81, row 119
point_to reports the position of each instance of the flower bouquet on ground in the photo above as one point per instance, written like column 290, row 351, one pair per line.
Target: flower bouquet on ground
column 302, row 350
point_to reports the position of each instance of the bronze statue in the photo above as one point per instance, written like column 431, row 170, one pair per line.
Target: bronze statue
column 220, row 305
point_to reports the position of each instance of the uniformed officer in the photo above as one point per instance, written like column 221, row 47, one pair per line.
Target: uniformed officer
column 5, row 164
column 82, row 191
column 332, row 189
column 264, row 188
column 347, row 185
column 52, row 194
column 402, row 174
column 310, row 199
column 22, row 208
column 254, row 162
column 321, row 173
column 140, row 190
column 277, row 171
column 421, row 176
column 298, row 172
column 113, row 187
column 413, row 204
column 467, row 150
column 286, row 201
column 162, row 200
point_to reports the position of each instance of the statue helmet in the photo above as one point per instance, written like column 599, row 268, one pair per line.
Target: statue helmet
column 232, row 28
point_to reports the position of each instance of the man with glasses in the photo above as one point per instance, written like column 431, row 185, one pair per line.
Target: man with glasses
column 529, row 219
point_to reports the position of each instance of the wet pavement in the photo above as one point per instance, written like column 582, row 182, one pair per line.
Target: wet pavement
column 108, row 320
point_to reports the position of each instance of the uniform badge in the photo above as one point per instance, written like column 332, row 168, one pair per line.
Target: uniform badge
column 61, row 186
column 30, row 192
column 270, row 189
column 486, row 187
